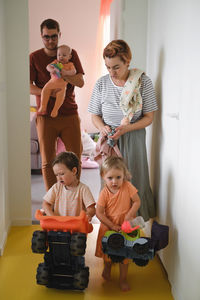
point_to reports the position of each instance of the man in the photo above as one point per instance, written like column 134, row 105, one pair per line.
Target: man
column 67, row 124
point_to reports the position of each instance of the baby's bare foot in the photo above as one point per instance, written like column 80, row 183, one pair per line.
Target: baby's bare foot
column 54, row 114
column 124, row 286
column 41, row 111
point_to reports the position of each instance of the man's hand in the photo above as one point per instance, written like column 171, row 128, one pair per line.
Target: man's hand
column 64, row 72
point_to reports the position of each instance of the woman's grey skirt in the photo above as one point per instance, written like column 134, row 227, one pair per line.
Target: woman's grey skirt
column 132, row 146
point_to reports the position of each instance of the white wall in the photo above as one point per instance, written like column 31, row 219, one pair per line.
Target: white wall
column 173, row 63
column 15, row 190
column 116, row 19
column 4, row 207
column 134, row 30
column 17, row 100
column 129, row 22
column 78, row 23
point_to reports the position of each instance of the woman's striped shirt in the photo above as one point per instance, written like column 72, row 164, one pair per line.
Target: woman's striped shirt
column 105, row 100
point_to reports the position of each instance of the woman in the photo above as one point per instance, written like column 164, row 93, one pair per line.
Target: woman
column 108, row 107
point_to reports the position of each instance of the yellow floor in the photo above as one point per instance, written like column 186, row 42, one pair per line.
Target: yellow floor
column 18, row 268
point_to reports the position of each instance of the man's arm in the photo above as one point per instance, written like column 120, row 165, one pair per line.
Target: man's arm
column 34, row 90
column 76, row 80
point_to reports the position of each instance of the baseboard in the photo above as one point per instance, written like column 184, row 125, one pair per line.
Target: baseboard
column 25, row 222
column 163, row 267
column 3, row 241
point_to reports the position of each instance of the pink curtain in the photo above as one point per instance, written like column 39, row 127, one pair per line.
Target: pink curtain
column 104, row 13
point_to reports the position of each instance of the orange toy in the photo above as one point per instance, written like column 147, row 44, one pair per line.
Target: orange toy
column 65, row 223
column 63, row 242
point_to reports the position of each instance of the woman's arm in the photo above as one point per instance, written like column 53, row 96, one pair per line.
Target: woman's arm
column 99, row 124
column 132, row 212
column 100, row 213
column 146, row 120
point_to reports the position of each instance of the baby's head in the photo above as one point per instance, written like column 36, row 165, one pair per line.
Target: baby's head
column 64, row 54
column 66, row 165
column 114, row 172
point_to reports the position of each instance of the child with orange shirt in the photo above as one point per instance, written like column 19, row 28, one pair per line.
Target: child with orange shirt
column 118, row 202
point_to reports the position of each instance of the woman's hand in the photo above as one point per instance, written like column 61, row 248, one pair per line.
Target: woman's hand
column 120, row 130
column 145, row 121
column 105, row 130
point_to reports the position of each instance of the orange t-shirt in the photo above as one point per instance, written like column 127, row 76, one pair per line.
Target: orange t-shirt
column 116, row 207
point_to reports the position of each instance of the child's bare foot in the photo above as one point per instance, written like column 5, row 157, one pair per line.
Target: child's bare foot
column 106, row 272
column 124, row 286
column 54, row 114
column 41, row 111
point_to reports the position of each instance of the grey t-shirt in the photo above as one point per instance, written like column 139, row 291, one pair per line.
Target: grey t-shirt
column 105, row 100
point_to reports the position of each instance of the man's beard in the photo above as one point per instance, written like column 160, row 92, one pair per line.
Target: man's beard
column 51, row 48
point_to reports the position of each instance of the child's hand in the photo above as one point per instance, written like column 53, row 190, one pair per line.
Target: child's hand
column 116, row 228
column 54, row 71
column 89, row 217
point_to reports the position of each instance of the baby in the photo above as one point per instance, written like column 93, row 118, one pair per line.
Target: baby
column 56, row 81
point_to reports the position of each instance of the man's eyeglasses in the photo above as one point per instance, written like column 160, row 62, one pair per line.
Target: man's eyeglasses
column 53, row 37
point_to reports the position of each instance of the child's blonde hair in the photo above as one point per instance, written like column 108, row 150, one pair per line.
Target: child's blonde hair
column 114, row 162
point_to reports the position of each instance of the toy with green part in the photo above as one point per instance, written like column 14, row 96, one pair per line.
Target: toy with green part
column 121, row 245
column 58, row 66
